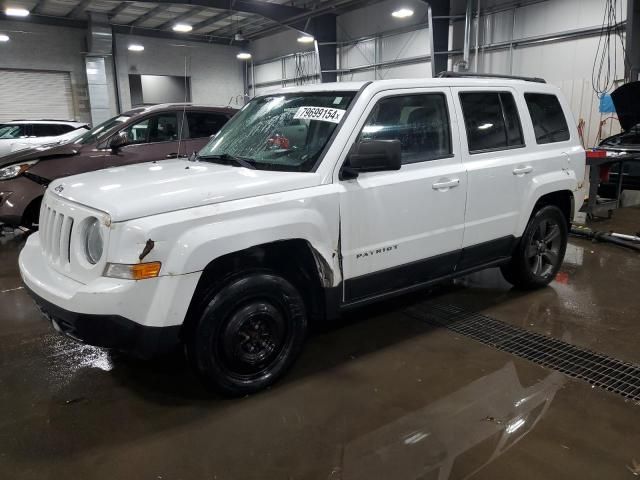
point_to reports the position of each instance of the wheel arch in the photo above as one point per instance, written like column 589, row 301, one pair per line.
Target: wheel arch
column 32, row 209
column 563, row 199
column 560, row 196
column 295, row 259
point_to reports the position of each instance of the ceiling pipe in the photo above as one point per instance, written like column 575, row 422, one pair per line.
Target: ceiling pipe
column 467, row 34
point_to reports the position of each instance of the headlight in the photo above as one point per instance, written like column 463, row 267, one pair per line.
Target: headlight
column 93, row 241
column 12, row 171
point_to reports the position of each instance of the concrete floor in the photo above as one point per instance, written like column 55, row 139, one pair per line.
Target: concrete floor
column 384, row 396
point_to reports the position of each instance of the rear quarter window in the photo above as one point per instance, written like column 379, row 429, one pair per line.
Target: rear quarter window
column 549, row 122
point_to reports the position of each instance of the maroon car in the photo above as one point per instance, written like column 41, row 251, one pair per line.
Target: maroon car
column 139, row 135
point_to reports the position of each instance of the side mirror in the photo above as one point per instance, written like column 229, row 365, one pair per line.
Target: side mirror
column 118, row 141
column 372, row 156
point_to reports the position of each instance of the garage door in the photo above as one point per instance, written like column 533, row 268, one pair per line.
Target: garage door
column 33, row 95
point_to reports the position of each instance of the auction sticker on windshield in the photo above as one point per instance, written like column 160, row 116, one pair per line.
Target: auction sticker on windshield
column 324, row 114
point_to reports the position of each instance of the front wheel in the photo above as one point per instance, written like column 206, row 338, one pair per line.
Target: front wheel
column 541, row 250
column 249, row 333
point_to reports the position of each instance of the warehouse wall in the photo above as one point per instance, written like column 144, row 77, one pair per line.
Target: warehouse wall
column 46, row 47
column 216, row 75
column 365, row 58
column 395, row 48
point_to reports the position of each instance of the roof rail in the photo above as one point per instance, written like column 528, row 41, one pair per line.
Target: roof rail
column 42, row 120
column 489, row 75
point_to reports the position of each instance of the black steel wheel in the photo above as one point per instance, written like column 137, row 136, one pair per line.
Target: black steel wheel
column 249, row 334
column 541, row 250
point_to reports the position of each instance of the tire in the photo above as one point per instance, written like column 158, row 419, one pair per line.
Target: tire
column 249, row 333
column 540, row 252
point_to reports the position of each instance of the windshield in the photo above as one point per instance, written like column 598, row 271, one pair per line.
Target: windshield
column 281, row 132
column 95, row 133
column 12, row 131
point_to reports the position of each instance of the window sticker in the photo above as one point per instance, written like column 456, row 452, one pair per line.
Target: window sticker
column 323, row 114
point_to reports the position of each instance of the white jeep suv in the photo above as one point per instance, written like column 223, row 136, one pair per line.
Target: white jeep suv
column 309, row 202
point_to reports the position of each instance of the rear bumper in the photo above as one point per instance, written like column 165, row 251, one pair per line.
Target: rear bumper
column 109, row 331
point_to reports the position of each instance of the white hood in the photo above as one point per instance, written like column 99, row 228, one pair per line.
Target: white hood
column 145, row 189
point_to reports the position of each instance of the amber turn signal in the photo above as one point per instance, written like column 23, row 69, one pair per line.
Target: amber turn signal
column 138, row 271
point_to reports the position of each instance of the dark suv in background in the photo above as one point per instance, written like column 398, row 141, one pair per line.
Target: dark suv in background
column 626, row 100
column 139, row 135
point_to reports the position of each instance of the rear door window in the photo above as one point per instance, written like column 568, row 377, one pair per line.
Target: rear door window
column 204, row 124
column 46, row 130
column 549, row 122
column 491, row 120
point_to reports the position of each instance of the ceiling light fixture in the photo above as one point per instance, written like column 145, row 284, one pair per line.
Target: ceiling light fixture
column 402, row 13
column 136, row 48
column 182, row 28
column 16, row 12
column 306, row 38
column 4, row 38
column 243, row 56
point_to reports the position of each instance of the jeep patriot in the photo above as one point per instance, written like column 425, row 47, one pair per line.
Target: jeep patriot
column 310, row 201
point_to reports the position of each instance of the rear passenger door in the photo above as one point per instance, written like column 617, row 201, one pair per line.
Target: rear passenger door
column 495, row 159
column 200, row 127
column 402, row 228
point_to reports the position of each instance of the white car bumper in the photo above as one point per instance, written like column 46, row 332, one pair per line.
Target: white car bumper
column 143, row 315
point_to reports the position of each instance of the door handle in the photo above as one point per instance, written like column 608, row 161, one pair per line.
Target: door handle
column 172, row 155
column 523, row 170
column 446, row 184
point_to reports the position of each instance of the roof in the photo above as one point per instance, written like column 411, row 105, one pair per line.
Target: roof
column 416, row 83
column 46, row 122
column 176, row 106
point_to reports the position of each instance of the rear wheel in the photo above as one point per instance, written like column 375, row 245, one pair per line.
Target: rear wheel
column 541, row 250
column 249, row 333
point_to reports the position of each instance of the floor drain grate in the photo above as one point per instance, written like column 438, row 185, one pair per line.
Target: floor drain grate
column 597, row 369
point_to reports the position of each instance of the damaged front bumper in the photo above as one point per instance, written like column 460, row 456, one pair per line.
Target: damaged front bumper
column 144, row 316
column 109, row 331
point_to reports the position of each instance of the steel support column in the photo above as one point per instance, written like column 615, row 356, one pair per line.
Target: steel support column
column 323, row 28
column 440, row 11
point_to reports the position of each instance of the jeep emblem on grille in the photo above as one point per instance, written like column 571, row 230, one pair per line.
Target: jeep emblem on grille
column 59, row 188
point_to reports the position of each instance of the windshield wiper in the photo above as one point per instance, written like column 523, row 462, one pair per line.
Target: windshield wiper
column 228, row 159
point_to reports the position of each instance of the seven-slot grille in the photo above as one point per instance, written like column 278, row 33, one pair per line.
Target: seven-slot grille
column 55, row 234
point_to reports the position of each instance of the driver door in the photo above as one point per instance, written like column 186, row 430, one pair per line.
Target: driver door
column 153, row 138
column 402, row 228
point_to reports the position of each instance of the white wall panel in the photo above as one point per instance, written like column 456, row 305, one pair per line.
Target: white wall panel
column 418, row 70
column 360, row 76
column 216, row 74
column 357, row 55
column 561, row 15
column 268, row 72
column 405, row 45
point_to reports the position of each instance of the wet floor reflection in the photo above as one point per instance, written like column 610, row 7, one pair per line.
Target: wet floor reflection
column 456, row 435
